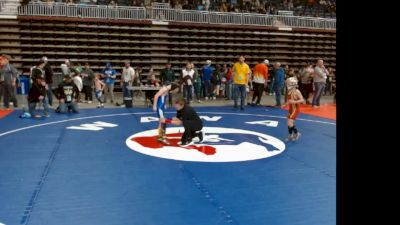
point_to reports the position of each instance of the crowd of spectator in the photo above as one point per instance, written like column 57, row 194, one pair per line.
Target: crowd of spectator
column 208, row 82
column 316, row 8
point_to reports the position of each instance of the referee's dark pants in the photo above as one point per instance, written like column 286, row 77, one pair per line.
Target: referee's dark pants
column 191, row 127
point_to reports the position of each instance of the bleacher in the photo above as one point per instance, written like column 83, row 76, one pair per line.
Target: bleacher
column 145, row 44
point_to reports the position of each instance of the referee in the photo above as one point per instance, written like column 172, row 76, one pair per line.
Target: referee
column 191, row 121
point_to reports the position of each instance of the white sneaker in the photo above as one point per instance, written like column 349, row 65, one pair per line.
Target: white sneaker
column 206, row 98
column 89, row 102
column 199, row 101
column 214, row 98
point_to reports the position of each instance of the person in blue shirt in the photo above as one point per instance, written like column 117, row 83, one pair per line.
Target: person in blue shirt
column 109, row 75
column 207, row 72
column 279, row 82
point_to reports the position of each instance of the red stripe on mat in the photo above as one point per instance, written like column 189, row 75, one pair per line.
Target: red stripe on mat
column 5, row 112
column 325, row 111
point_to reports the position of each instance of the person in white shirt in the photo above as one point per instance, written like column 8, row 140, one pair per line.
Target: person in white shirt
column 320, row 75
column 188, row 81
column 76, row 78
column 128, row 76
column 127, row 79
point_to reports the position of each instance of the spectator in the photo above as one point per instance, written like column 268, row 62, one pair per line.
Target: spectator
column 186, row 5
column 216, row 81
column 167, row 76
column 223, row 7
column 305, row 84
column 76, row 78
column 207, row 72
column 112, row 4
column 37, row 94
column 152, row 82
column 197, row 83
column 329, row 79
column 206, row 4
column 128, row 76
column 320, row 75
column 260, row 80
column 241, row 72
column 38, row 71
column 66, row 67
column 188, row 80
column 48, row 75
column 88, row 76
column 224, row 70
column 279, row 81
column 229, row 83
column 178, row 6
column 8, row 81
column 68, row 95
column 109, row 75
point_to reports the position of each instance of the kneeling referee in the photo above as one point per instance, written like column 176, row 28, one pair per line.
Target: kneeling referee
column 191, row 121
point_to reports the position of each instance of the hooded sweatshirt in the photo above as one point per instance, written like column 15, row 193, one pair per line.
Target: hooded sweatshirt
column 108, row 71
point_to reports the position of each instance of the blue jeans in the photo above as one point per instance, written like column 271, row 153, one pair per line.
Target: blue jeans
column 228, row 90
column 64, row 107
column 242, row 89
column 126, row 92
column 207, row 88
column 49, row 95
column 319, row 88
column 188, row 90
column 278, row 92
column 32, row 107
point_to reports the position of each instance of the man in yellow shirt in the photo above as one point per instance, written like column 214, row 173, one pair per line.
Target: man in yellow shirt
column 241, row 74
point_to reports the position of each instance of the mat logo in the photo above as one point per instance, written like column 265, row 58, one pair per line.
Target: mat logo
column 96, row 126
column 220, row 144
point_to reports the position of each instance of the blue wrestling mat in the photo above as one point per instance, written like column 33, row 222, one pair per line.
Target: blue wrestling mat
column 104, row 167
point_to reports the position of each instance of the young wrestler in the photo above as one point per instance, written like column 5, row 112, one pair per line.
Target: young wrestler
column 99, row 87
column 294, row 98
column 159, row 107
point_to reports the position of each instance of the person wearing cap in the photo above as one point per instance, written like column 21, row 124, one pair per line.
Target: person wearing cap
column 37, row 94
column 38, row 71
column 241, row 74
column 8, row 81
column 260, row 79
column 207, row 72
column 68, row 94
column 48, row 76
column 109, row 75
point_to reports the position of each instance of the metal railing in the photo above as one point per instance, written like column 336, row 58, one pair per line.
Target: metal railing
column 168, row 14
column 8, row 7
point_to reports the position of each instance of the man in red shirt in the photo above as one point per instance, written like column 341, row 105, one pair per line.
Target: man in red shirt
column 229, row 80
